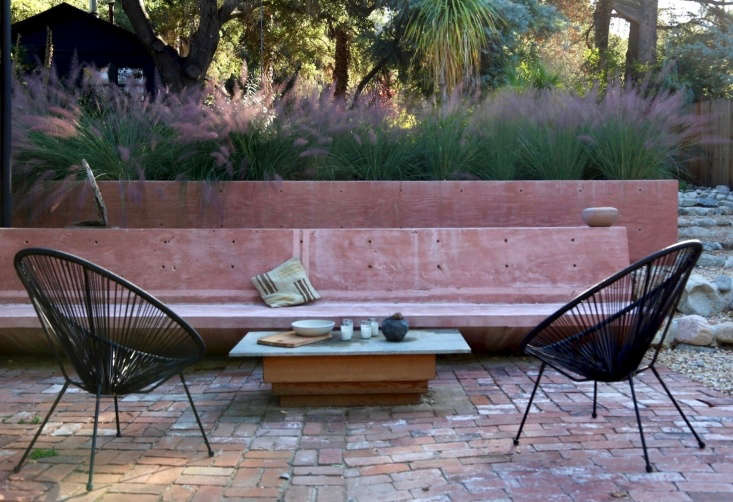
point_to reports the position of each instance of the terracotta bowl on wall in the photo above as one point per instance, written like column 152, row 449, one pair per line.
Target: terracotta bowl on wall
column 599, row 216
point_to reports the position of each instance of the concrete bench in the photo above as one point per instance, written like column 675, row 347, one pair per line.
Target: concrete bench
column 491, row 283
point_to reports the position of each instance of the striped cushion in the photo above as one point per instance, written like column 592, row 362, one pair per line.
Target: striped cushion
column 285, row 285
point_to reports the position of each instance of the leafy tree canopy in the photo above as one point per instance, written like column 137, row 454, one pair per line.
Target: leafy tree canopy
column 698, row 54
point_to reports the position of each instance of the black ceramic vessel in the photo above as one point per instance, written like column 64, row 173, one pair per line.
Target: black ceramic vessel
column 394, row 330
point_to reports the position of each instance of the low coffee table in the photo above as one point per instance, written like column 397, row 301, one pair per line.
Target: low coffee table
column 355, row 372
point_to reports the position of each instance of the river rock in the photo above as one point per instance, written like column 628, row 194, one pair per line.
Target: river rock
column 724, row 283
column 712, row 246
column 687, row 202
column 723, row 333
column 692, row 330
column 707, row 202
column 668, row 340
column 711, row 260
column 701, row 297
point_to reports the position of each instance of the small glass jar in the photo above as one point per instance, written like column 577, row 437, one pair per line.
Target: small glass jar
column 375, row 326
column 347, row 329
column 365, row 329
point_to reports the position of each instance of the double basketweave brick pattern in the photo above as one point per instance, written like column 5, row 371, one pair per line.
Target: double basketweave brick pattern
column 456, row 445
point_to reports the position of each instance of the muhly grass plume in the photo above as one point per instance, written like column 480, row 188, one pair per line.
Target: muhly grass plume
column 621, row 133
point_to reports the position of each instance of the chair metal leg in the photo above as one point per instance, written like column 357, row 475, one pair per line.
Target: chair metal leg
column 641, row 429
column 38, row 432
column 595, row 398
column 195, row 413
column 529, row 404
column 117, row 418
column 664, row 386
column 94, row 438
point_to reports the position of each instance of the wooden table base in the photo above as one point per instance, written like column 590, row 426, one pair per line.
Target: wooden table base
column 349, row 380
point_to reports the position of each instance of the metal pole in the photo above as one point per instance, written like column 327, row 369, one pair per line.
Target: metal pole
column 5, row 168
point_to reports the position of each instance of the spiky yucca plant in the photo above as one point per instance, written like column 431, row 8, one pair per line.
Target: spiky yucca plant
column 449, row 35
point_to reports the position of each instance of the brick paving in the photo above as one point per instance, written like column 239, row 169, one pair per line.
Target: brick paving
column 456, row 445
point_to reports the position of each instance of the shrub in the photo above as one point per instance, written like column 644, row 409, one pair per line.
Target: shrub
column 532, row 134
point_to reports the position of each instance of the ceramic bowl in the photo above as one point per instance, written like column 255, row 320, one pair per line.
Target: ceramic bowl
column 312, row 327
column 600, row 216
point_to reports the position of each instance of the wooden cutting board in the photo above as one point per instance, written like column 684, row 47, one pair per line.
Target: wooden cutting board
column 290, row 339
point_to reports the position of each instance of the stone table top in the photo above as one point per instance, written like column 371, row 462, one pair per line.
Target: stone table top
column 417, row 341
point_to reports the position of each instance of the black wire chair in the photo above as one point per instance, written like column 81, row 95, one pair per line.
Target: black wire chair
column 603, row 335
column 116, row 338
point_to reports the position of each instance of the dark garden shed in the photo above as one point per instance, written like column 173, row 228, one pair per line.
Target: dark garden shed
column 82, row 37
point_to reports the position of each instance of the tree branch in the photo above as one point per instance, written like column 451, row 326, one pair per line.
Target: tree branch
column 717, row 3
column 369, row 76
column 142, row 24
column 628, row 9
column 231, row 9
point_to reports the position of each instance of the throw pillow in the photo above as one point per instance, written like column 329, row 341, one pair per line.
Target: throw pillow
column 285, row 285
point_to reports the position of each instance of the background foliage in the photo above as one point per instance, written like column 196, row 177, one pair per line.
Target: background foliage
column 512, row 134
column 525, row 43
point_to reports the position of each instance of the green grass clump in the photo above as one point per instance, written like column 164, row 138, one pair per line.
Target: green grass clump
column 511, row 134
column 623, row 152
column 38, row 453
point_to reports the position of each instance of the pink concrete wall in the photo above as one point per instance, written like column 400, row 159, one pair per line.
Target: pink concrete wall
column 175, row 264
column 472, row 264
column 648, row 209
column 476, row 265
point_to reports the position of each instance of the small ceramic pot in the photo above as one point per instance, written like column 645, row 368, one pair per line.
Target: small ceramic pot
column 600, row 216
column 394, row 330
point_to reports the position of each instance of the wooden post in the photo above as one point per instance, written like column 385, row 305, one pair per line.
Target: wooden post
column 5, row 124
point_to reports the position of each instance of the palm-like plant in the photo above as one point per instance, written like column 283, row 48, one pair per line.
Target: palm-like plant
column 449, row 35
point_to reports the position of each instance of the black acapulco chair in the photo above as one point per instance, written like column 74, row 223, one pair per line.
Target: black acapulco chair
column 603, row 334
column 117, row 338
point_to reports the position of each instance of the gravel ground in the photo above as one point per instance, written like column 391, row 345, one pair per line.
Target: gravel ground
column 712, row 366
column 708, row 365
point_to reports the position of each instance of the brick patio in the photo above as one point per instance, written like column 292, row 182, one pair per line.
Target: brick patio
column 456, row 445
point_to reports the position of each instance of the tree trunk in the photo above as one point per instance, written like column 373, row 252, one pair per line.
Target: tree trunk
column 178, row 72
column 341, row 63
column 601, row 26
column 641, row 55
column 632, row 53
column 648, row 33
